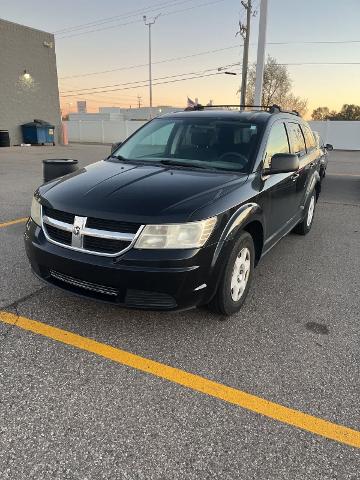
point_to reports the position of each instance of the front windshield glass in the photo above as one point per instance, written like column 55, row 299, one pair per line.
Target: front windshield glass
column 201, row 143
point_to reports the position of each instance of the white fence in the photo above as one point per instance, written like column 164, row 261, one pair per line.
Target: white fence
column 342, row 135
column 102, row 131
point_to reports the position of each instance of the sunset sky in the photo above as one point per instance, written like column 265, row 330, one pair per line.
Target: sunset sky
column 188, row 28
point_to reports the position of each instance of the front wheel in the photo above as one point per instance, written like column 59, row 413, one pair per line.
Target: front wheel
column 236, row 278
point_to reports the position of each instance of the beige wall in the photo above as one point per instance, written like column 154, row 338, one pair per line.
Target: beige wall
column 21, row 99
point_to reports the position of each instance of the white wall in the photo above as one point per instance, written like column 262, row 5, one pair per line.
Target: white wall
column 342, row 135
column 102, row 131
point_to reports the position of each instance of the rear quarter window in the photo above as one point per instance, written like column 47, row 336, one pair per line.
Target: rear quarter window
column 309, row 137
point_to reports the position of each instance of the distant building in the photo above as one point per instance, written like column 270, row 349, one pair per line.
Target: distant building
column 81, row 106
column 28, row 84
column 142, row 113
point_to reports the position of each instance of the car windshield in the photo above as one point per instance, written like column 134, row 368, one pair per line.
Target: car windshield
column 199, row 143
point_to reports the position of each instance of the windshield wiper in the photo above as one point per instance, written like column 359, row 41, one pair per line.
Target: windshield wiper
column 118, row 157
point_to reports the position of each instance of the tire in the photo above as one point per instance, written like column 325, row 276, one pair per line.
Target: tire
column 228, row 300
column 305, row 225
column 322, row 174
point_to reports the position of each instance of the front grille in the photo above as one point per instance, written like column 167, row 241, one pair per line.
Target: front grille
column 112, row 225
column 94, row 235
column 59, row 235
column 104, row 245
column 58, row 215
column 82, row 284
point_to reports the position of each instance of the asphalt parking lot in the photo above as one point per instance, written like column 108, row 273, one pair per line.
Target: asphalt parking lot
column 73, row 411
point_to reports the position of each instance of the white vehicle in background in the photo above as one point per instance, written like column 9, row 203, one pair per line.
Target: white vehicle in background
column 325, row 148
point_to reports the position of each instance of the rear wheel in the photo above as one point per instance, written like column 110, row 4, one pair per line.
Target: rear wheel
column 305, row 225
column 236, row 279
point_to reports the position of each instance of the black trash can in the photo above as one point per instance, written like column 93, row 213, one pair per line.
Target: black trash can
column 4, row 138
column 58, row 167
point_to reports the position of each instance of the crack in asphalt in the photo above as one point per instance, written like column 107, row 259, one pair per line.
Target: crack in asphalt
column 14, row 305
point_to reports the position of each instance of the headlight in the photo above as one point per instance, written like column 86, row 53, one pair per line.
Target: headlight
column 184, row 235
column 36, row 211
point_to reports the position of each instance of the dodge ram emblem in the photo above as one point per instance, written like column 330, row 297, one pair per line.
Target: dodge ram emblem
column 76, row 230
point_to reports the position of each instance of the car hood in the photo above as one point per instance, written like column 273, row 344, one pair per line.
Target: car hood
column 138, row 193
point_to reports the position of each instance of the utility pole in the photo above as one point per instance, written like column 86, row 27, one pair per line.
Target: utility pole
column 139, row 101
column 244, row 31
column 149, row 23
column 261, row 53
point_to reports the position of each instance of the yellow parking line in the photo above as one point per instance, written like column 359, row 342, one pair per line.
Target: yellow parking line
column 242, row 399
column 13, row 222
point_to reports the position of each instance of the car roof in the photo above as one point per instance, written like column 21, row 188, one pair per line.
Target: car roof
column 255, row 116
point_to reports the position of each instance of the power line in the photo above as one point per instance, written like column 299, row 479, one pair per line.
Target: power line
column 81, row 93
column 145, row 80
column 85, row 90
column 130, row 67
column 206, row 52
column 145, row 85
column 129, row 14
column 213, row 2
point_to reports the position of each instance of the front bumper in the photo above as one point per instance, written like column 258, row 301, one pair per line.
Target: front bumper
column 146, row 279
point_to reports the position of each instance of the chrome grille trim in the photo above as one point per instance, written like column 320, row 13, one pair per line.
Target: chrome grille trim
column 91, row 232
column 68, row 227
column 76, row 282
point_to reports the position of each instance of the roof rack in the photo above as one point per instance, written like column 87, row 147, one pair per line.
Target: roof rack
column 269, row 108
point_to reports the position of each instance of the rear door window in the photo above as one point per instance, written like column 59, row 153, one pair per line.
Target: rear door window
column 297, row 141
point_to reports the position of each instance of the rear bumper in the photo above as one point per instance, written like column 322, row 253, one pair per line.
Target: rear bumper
column 146, row 279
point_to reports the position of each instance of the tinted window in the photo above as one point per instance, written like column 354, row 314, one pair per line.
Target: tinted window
column 297, row 141
column 277, row 143
column 309, row 137
column 205, row 142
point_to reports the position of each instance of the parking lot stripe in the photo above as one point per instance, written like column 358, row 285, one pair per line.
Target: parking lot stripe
column 194, row 382
column 13, row 222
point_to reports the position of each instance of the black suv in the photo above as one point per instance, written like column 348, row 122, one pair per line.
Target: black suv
column 181, row 212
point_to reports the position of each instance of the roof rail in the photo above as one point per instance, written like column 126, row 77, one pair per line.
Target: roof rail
column 270, row 108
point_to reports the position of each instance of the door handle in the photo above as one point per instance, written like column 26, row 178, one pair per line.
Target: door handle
column 295, row 176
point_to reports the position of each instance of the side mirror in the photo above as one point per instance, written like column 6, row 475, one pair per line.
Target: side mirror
column 284, row 163
column 329, row 147
column 114, row 146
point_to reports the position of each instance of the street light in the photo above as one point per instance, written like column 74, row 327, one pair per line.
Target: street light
column 149, row 23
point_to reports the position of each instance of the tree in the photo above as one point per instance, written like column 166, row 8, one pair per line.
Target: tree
column 347, row 112
column 320, row 113
column 277, row 87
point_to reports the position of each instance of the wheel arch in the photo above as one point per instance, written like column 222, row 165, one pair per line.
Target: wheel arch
column 256, row 230
column 249, row 218
column 314, row 184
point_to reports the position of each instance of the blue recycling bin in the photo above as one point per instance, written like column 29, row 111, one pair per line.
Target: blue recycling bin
column 38, row 132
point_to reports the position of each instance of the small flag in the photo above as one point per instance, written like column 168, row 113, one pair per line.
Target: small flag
column 190, row 103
